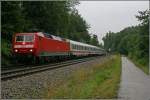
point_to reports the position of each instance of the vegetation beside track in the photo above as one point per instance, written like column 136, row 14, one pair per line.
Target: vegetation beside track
column 99, row 81
column 6, row 52
column 142, row 64
column 132, row 41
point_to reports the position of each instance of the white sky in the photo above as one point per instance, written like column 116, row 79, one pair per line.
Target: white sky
column 103, row 16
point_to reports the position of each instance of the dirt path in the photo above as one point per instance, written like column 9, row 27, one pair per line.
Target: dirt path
column 135, row 84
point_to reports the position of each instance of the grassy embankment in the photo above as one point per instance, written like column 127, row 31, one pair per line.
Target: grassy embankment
column 6, row 52
column 100, row 81
column 141, row 63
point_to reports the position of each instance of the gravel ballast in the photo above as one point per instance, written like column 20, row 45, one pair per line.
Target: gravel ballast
column 34, row 86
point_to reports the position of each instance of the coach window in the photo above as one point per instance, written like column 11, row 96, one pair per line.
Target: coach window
column 72, row 46
column 79, row 47
column 76, row 47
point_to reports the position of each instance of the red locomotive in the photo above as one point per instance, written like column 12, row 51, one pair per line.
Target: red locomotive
column 44, row 45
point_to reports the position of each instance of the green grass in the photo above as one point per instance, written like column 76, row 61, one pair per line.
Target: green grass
column 6, row 52
column 140, row 63
column 99, row 81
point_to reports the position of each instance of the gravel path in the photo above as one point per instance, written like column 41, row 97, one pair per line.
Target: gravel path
column 135, row 84
column 34, row 86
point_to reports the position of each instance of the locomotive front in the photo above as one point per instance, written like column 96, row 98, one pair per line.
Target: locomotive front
column 24, row 43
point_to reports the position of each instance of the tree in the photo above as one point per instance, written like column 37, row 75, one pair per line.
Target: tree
column 94, row 40
column 58, row 18
column 54, row 17
column 143, row 17
column 12, row 19
column 132, row 41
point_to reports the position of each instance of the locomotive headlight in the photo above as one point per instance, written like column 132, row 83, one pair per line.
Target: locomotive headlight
column 16, row 50
column 31, row 50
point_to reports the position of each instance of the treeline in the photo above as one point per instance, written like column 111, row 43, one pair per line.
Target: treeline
column 59, row 18
column 54, row 17
column 132, row 41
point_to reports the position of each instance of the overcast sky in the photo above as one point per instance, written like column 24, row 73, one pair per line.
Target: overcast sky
column 103, row 16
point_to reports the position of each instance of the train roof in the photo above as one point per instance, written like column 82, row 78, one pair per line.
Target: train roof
column 22, row 33
column 45, row 35
column 82, row 44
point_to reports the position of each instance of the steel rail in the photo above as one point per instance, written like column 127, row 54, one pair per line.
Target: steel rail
column 9, row 74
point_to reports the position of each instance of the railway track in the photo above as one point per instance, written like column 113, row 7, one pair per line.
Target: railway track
column 14, row 73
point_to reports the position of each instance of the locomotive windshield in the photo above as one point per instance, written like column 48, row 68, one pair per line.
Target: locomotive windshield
column 28, row 38
column 19, row 38
column 24, row 38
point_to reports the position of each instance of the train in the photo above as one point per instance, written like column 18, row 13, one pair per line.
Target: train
column 43, row 45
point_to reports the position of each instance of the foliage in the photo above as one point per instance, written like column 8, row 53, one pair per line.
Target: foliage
column 54, row 17
column 6, row 52
column 58, row 18
column 11, row 19
column 132, row 41
column 94, row 40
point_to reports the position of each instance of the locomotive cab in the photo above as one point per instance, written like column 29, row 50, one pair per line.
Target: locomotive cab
column 24, row 43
